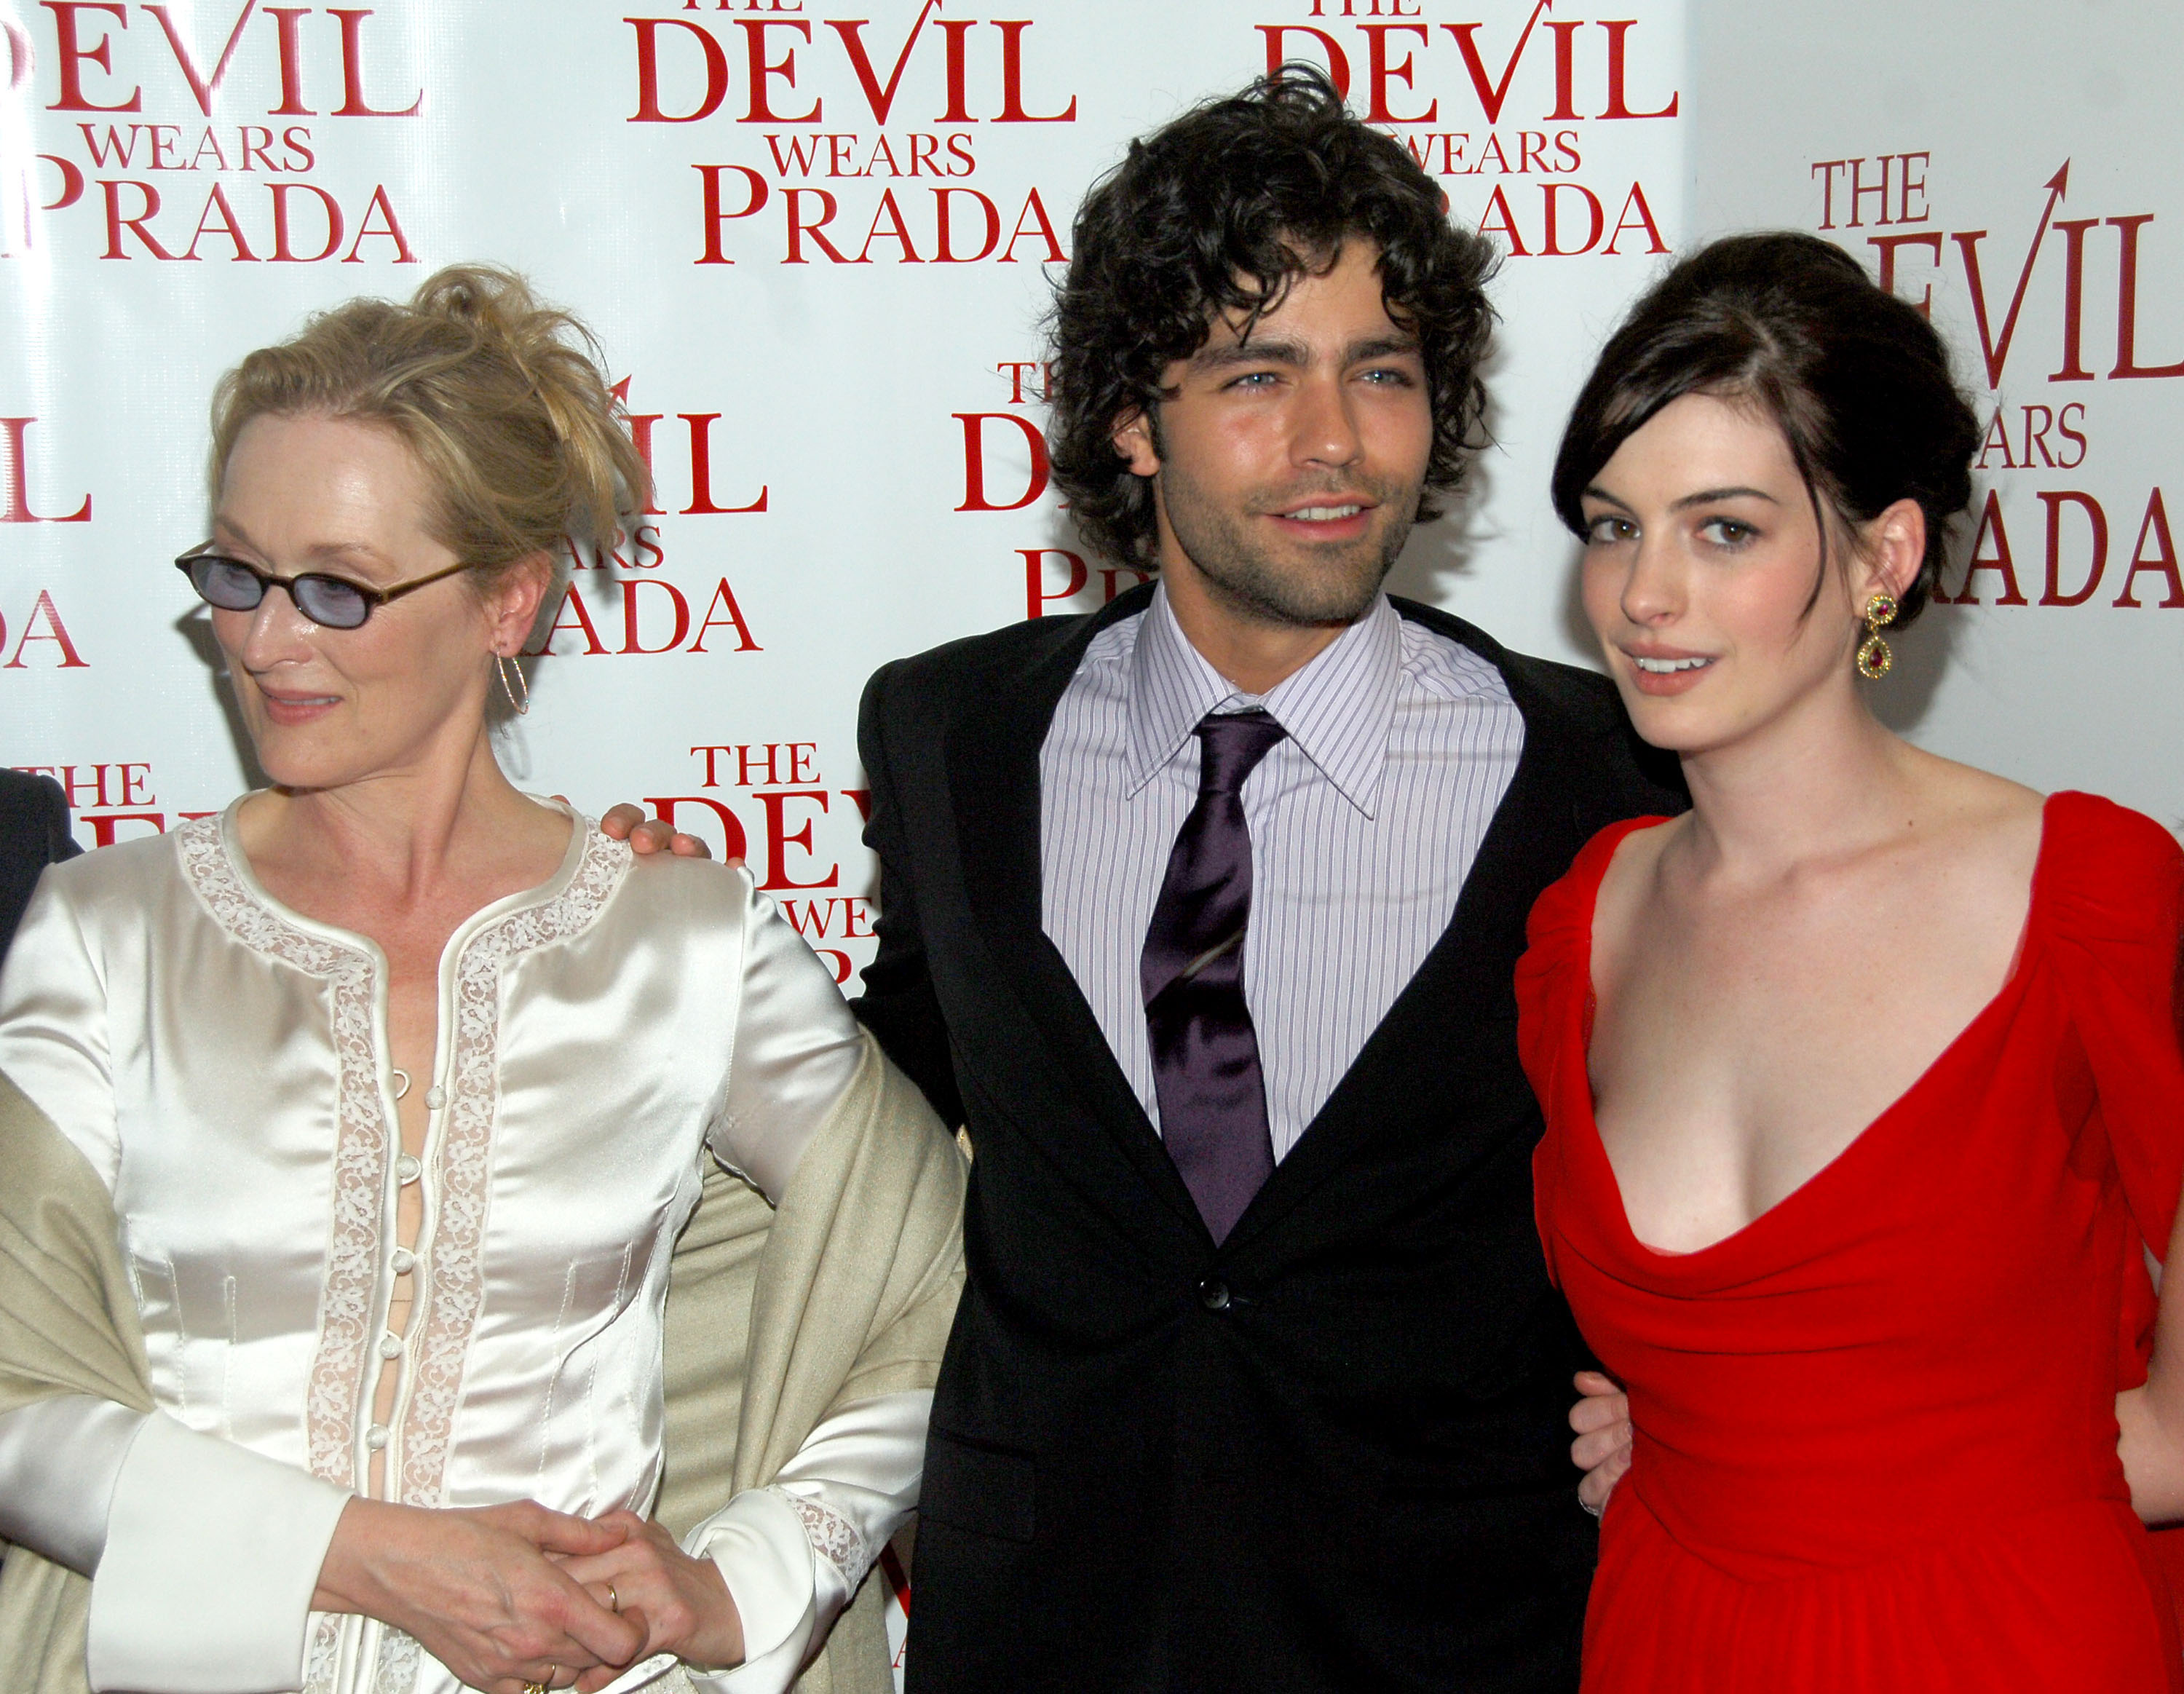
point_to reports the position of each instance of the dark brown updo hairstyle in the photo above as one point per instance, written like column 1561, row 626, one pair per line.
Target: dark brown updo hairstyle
column 1856, row 379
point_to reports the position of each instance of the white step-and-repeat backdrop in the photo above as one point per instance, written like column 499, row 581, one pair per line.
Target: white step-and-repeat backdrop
column 2013, row 165
column 816, row 238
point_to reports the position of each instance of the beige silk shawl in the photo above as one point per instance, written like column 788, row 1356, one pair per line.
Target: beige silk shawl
column 774, row 1318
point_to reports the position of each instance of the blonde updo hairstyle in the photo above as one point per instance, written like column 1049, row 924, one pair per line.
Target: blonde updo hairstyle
column 500, row 397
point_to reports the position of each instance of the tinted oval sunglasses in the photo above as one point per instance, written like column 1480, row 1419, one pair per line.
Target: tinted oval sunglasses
column 225, row 582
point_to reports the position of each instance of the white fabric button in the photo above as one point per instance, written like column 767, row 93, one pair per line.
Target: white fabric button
column 406, row 1168
column 390, row 1346
column 376, row 1437
column 404, row 1261
column 435, row 1098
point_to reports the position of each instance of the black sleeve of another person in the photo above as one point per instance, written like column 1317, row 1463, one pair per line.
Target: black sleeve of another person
column 34, row 833
column 898, row 1004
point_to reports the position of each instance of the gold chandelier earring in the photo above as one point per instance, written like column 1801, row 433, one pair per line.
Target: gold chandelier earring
column 1873, row 656
column 523, row 705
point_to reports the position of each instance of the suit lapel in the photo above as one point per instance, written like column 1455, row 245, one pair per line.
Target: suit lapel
column 994, row 744
column 1450, row 1019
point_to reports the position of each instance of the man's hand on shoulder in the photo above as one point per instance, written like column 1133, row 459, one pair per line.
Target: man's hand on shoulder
column 650, row 835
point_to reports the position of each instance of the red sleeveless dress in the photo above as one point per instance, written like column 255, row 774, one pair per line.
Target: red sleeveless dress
column 1876, row 1437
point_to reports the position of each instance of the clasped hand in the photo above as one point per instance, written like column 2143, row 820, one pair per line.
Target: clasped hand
column 683, row 1602
column 506, row 1596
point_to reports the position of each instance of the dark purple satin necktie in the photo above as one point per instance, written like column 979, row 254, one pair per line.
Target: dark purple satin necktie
column 1205, row 1054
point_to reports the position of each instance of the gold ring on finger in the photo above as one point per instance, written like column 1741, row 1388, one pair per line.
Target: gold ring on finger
column 614, row 1600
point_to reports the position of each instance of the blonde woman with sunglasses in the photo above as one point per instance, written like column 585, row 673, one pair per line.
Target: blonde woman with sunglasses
column 351, row 1132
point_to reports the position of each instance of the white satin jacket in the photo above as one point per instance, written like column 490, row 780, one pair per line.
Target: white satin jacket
column 222, row 1062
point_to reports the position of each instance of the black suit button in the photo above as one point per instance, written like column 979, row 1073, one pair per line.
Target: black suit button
column 1213, row 1295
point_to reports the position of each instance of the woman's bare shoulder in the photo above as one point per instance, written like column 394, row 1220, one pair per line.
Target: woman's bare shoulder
column 1965, row 860
column 1969, row 813
column 1637, row 858
column 1627, row 885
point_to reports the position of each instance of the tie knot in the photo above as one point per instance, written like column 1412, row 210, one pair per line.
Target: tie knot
column 1231, row 745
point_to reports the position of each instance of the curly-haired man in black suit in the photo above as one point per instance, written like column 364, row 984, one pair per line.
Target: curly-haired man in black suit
column 1200, row 914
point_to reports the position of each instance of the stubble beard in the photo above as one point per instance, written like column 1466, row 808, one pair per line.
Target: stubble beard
column 1336, row 584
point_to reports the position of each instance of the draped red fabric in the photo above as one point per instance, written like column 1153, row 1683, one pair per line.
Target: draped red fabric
column 1876, row 1441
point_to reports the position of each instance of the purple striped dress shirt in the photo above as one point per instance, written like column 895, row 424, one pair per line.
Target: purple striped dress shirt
column 1364, row 823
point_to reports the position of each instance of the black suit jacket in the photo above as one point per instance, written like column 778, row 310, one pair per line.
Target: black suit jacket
column 1330, row 1454
column 34, row 833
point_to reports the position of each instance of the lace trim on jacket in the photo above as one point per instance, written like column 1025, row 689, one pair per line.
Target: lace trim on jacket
column 338, row 1403
column 833, row 1537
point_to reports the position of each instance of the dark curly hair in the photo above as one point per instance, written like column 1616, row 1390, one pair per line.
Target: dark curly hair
column 1220, row 212
column 1857, row 380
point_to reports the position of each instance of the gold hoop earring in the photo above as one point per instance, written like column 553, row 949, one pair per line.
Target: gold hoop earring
column 523, row 705
column 1873, row 656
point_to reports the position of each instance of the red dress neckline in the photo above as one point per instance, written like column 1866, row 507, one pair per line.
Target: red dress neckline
column 1860, row 1148
column 1876, row 1427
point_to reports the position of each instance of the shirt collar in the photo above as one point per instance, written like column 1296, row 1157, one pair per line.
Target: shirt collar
column 1337, row 709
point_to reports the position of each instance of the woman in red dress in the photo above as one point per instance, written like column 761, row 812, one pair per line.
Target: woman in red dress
column 1865, row 1112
